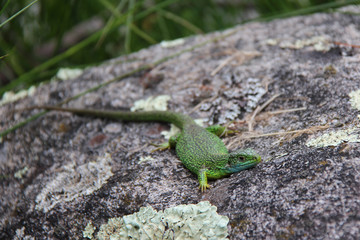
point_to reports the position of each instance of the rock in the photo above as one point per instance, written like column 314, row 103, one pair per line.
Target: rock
column 55, row 180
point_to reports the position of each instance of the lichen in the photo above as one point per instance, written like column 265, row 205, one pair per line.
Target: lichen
column 152, row 103
column 20, row 234
column 319, row 43
column 355, row 99
column 72, row 181
column 89, row 230
column 20, row 174
column 146, row 159
column 335, row 138
column 68, row 73
column 254, row 92
column 191, row 221
column 10, row 96
column 174, row 130
column 172, row 43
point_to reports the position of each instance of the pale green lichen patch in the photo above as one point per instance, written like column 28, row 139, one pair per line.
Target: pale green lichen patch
column 199, row 221
column 89, row 230
column 146, row 159
column 20, row 234
column 12, row 97
column 172, row 43
column 68, row 73
column 319, row 43
column 355, row 99
column 72, row 181
column 152, row 103
column 20, row 174
column 335, row 138
column 62, row 74
column 174, row 130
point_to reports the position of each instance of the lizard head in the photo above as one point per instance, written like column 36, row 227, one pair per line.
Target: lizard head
column 242, row 159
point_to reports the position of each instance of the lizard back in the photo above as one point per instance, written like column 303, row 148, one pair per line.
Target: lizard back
column 197, row 148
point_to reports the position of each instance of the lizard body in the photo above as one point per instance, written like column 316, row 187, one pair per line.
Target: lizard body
column 199, row 149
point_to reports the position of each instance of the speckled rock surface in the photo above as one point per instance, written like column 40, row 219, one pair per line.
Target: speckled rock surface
column 62, row 171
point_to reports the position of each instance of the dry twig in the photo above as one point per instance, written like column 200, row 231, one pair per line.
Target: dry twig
column 259, row 109
column 240, row 56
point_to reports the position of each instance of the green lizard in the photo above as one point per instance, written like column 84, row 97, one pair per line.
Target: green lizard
column 199, row 149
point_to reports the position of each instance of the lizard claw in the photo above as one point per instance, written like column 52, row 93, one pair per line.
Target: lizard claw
column 203, row 187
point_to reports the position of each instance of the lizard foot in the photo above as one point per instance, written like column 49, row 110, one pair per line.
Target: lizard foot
column 160, row 147
column 203, row 187
column 227, row 131
column 221, row 131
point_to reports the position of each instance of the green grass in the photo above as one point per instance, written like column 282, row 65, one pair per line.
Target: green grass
column 39, row 37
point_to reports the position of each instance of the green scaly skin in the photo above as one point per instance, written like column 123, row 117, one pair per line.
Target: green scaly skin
column 199, row 149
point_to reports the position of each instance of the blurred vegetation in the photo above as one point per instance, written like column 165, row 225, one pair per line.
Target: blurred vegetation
column 37, row 37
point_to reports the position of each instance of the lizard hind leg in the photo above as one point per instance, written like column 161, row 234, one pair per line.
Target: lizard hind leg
column 165, row 145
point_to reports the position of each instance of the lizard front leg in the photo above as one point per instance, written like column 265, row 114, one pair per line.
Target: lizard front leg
column 203, row 180
column 220, row 130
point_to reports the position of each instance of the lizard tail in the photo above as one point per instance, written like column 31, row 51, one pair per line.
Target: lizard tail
column 147, row 116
